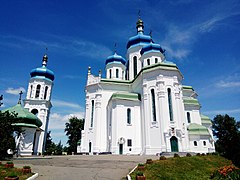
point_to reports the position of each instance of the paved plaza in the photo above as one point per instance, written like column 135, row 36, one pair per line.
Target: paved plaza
column 85, row 167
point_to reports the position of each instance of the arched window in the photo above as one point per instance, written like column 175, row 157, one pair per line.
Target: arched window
column 134, row 66
column 45, row 93
column 35, row 112
column 110, row 73
column 38, row 91
column 195, row 143
column 117, row 73
column 153, row 105
column 156, row 60
column 92, row 114
column 204, row 143
column 188, row 117
column 30, row 95
column 129, row 116
column 170, row 104
column 148, row 62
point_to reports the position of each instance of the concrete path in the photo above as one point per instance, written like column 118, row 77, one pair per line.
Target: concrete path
column 83, row 167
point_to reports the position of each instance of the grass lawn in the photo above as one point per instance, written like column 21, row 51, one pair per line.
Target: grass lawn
column 195, row 167
column 8, row 171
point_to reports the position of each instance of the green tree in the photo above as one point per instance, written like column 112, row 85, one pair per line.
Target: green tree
column 7, row 131
column 59, row 148
column 50, row 147
column 73, row 131
column 226, row 130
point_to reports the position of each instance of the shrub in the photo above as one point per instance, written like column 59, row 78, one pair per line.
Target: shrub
column 26, row 167
column 188, row 155
column 149, row 161
column 139, row 173
column 162, row 158
column 226, row 172
column 198, row 154
column 176, row 155
column 9, row 162
column 12, row 174
column 203, row 154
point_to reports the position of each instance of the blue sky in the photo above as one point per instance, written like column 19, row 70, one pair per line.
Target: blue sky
column 201, row 37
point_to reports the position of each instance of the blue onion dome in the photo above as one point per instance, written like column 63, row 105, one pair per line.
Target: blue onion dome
column 115, row 58
column 140, row 38
column 43, row 72
column 152, row 47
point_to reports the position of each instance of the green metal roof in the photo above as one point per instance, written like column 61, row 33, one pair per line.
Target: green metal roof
column 187, row 87
column 25, row 125
column 126, row 96
column 25, row 115
column 191, row 102
column 205, row 119
column 197, row 129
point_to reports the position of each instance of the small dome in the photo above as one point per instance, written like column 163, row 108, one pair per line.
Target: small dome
column 42, row 72
column 140, row 38
column 23, row 114
column 152, row 47
column 115, row 58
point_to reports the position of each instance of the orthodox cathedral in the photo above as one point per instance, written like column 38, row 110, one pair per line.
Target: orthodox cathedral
column 142, row 107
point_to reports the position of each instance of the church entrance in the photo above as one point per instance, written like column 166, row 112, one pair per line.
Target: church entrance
column 120, row 148
column 174, row 144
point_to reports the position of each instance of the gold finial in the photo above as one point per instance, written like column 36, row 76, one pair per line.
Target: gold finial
column 89, row 70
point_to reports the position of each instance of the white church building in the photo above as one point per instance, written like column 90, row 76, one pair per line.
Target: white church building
column 142, row 107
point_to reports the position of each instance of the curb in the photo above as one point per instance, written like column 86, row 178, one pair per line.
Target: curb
column 128, row 177
column 33, row 177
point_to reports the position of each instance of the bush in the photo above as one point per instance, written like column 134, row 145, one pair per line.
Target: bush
column 149, row 161
column 198, row 154
column 26, row 167
column 12, row 174
column 162, row 158
column 176, row 155
column 203, row 154
column 226, row 172
column 9, row 162
column 188, row 155
column 139, row 173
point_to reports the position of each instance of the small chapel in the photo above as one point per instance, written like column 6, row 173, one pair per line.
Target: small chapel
column 141, row 106
column 34, row 113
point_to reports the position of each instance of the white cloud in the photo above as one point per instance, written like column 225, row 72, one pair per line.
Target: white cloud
column 61, row 44
column 15, row 91
column 60, row 103
column 222, row 111
column 223, row 84
column 180, row 38
column 57, row 121
column 230, row 81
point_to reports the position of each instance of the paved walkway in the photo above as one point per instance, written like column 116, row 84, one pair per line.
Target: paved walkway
column 84, row 167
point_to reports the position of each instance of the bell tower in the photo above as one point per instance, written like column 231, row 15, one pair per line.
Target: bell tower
column 38, row 101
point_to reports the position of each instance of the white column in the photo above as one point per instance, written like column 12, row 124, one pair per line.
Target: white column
column 97, row 124
column 162, row 124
